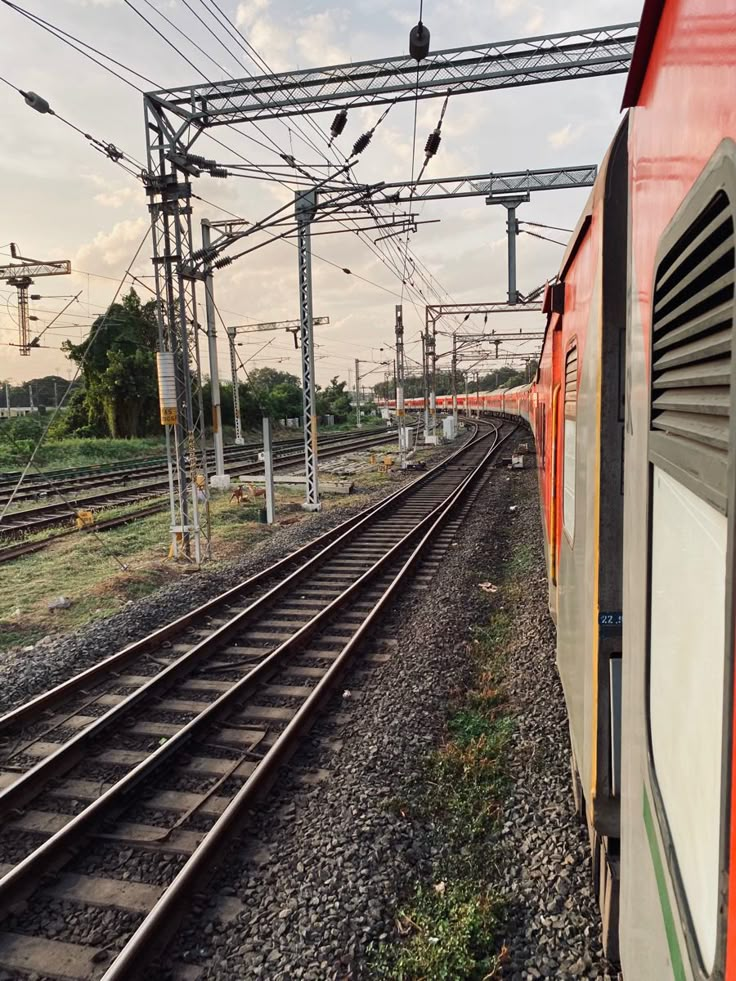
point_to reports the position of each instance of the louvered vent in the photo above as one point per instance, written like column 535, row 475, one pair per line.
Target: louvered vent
column 571, row 381
column 692, row 331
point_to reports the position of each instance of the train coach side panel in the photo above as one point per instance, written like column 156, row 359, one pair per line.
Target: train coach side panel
column 678, row 907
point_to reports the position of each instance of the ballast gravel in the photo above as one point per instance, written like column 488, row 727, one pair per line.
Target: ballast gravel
column 334, row 861
column 324, row 864
column 31, row 670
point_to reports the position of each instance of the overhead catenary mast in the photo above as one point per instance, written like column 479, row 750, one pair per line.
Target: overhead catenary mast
column 21, row 274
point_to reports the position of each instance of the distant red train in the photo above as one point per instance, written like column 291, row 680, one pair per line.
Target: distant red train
column 636, row 448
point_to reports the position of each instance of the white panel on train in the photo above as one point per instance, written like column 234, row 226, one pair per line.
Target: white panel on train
column 686, row 687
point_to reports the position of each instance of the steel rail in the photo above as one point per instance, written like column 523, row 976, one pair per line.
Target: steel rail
column 11, row 552
column 26, row 712
column 48, row 514
column 157, row 929
column 10, row 477
column 38, row 484
column 55, row 851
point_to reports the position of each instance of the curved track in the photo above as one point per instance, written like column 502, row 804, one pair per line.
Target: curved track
column 162, row 749
column 30, row 520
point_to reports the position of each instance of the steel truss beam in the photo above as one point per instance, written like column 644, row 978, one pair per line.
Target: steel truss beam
column 483, row 185
column 35, row 269
column 589, row 53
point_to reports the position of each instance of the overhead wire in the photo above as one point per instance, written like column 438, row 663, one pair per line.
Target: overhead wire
column 64, row 36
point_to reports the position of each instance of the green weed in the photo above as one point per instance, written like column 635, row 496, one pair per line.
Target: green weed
column 450, row 930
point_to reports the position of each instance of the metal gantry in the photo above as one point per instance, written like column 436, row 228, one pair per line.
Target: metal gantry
column 481, row 185
column 21, row 275
column 590, row 53
column 176, row 117
column 435, row 312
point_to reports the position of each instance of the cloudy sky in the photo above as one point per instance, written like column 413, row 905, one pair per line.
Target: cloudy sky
column 62, row 199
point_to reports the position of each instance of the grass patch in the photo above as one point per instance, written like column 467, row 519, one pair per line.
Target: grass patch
column 451, row 930
column 492, row 635
column 69, row 453
column 521, row 563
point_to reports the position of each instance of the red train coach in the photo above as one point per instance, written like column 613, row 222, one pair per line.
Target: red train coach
column 637, row 454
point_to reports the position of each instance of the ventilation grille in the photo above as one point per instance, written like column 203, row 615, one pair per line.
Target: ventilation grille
column 571, row 381
column 692, row 330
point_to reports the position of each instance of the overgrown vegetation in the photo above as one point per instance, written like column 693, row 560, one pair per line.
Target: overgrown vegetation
column 18, row 438
column 450, row 926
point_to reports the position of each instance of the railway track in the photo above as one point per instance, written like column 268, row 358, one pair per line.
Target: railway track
column 121, row 789
column 29, row 520
column 71, row 481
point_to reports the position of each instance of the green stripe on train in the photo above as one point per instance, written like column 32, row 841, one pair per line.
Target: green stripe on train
column 678, row 968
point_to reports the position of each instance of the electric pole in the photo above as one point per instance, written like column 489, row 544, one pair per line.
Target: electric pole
column 400, row 411
column 236, row 391
column 425, row 380
column 357, row 394
column 454, row 381
column 209, row 304
column 21, row 275
column 305, row 206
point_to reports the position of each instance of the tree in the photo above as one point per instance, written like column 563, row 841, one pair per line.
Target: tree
column 118, row 365
column 334, row 400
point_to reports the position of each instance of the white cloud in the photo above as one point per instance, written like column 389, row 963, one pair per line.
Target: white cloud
column 113, row 250
column 507, row 8
column 249, row 11
column 566, row 136
column 118, row 197
column 535, row 23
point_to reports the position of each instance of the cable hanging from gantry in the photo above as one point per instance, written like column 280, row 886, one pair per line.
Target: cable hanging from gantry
column 365, row 138
column 434, row 139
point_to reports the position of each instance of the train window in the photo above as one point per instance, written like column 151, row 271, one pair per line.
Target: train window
column 692, row 328
column 568, row 483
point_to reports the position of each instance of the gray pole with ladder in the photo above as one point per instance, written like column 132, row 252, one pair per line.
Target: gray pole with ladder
column 305, row 205
column 359, row 421
column 209, row 304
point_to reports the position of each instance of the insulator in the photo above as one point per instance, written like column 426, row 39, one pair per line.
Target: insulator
column 36, row 102
column 35, row 296
column 362, row 142
column 419, row 42
column 338, row 123
column 347, row 271
column 221, row 263
column 287, row 157
column 218, row 172
column 433, row 143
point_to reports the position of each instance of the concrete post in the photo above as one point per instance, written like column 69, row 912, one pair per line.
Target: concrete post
column 268, row 470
